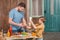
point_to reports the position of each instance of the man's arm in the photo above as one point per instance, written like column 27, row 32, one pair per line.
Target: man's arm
column 24, row 22
column 13, row 23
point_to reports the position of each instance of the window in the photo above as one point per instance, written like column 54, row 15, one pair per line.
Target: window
column 35, row 8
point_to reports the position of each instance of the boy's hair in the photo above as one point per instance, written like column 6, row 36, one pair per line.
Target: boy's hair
column 22, row 4
column 42, row 19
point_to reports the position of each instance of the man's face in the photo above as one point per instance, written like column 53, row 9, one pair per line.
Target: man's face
column 21, row 9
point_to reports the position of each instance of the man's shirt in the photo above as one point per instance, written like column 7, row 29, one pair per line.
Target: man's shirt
column 16, row 17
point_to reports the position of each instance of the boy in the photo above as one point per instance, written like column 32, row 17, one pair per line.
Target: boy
column 39, row 28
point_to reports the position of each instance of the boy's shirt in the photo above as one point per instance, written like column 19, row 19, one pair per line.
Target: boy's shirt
column 39, row 30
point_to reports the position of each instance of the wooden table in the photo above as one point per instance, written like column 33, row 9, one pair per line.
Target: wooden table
column 20, row 38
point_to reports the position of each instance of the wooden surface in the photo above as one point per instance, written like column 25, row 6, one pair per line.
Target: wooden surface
column 19, row 38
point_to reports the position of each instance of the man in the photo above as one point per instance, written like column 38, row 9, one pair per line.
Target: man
column 16, row 18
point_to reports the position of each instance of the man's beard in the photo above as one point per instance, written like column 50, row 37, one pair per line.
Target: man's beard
column 19, row 11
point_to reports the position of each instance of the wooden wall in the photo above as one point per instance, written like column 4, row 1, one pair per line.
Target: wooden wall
column 5, row 7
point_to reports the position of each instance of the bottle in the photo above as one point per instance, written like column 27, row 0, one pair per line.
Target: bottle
column 8, row 33
column 30, row 18
column 29, row 24
column 10, row 30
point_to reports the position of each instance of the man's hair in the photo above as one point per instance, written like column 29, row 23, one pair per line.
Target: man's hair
column 22, row 4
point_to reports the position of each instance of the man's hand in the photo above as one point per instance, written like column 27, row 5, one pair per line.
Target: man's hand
column 21, row 25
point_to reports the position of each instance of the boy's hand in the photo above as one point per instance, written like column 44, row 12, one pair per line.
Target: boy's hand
column 35, row 27
column 28, row 27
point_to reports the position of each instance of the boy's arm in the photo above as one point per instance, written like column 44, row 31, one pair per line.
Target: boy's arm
column 34, row 26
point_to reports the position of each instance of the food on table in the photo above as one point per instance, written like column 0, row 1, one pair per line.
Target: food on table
column 33, row 34
column 24, row 33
